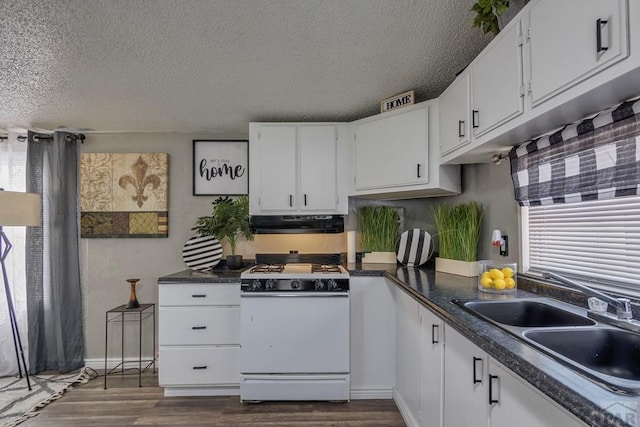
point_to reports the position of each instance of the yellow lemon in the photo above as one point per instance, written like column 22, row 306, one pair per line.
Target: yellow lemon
column 494, row 273
column 508, row 272
column 486, row 275
column 486, row 282
column 499, row 284
column 509, row 283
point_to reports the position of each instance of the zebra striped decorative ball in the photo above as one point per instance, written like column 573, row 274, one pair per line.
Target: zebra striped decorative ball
column 414, row 247
column 202, row 252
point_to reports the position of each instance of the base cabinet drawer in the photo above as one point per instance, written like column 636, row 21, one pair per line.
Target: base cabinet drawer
column 198, row 294
column 186, row 366
column 199, row 326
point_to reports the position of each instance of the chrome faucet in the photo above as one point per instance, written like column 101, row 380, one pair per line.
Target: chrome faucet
column 622, row 305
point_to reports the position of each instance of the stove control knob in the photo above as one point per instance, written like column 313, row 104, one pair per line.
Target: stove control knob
column 270, row 284
column 295, row 284
column 256, row 285
column 332, row 285
column 319, row 285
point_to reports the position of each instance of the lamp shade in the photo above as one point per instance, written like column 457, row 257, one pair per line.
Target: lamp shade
column 19, row 209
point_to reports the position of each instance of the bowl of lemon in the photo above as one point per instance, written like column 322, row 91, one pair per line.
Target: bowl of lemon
column 497, row 278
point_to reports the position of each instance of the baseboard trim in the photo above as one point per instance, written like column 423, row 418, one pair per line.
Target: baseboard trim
column 201, row 391
column 371, row 393
column 409, row 420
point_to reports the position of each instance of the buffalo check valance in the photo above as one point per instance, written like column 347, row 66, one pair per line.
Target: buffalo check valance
column 596, row 158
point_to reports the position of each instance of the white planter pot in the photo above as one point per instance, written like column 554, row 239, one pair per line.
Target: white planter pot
column 453, row 266
column 379, row 258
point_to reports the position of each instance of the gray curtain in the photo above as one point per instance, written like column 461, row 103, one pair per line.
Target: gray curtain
column 54, row 298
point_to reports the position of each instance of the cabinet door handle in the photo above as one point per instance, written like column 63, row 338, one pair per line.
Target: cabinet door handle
column 476, row 380
column 460, row 128
column 435, row 333
column 199, row 296
column 197, row 328
column 290, row 199
column 305, row 200
column 475, row 119
column 599, row 24
column 199, row 367
column 491, row 399
column 418, row 170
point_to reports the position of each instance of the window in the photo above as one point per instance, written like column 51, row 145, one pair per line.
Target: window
column 596, row 241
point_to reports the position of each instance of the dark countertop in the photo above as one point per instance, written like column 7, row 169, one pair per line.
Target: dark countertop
column 193, row 276
column 580, row 396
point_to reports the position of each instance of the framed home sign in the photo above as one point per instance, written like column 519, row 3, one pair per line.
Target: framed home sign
column 220, row 167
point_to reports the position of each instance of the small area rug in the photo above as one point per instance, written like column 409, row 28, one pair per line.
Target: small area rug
column 18, row 404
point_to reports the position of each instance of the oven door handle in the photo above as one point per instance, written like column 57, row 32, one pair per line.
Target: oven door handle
column 294, row 295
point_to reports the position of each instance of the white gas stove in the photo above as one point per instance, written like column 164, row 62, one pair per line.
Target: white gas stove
column 294, row 329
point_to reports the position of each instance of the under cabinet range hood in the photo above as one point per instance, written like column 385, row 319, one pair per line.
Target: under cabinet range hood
column 297, row 224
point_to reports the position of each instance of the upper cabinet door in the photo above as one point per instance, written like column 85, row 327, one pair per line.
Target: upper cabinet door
column 571, row 40
column 454, row 115
column 392, row 150
column 318, row 168
column 497, row 83
column 277, row 158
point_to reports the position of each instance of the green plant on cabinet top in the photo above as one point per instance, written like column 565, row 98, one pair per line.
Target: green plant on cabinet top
column 487, row 14
column 229, row 220
column 458, row 230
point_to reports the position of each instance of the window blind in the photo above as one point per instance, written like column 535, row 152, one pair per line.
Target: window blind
column 598, row 241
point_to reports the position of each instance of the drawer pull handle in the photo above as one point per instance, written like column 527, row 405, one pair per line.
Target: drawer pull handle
column 435, row 333
column 198, row 327
column 199, row 296
column 599, row 24
column 199, row 367
column 475, row 119
column 475, row 373
column 491, row 399
column 460, row 128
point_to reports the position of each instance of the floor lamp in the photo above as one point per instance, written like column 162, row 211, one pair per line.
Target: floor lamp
column 16, row 209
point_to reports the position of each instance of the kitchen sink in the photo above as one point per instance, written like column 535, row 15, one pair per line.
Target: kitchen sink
column 605, row 354
column 610, row 355
column 528, row 313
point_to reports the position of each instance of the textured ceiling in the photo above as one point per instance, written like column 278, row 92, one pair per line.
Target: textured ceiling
column 214, row 66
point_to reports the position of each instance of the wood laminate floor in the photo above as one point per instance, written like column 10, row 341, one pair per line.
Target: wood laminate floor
column 126, row 404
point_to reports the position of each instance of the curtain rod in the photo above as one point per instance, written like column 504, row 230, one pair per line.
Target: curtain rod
column 37, row 138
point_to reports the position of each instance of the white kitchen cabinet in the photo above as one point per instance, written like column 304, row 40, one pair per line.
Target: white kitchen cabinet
column 297, row 168
column 372, row 337
column 465, row 383
column 392, row 150
column 571, row 40
column 199, row 338
column 497, row 93
column 455, row 110
column 396, row 155
column 431, row 368
column 408, row 357
column 484, row 97
column 514, row 399
column 565, row 76
column 419, row 362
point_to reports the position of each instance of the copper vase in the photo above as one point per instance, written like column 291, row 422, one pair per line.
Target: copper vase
column 133, row 300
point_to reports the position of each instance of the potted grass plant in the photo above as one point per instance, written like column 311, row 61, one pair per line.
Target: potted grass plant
column 229, row 221
column 458, row 231
column 378, row 227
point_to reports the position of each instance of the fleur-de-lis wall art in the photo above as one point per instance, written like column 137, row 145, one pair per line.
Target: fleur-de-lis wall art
column 139, row 181
column 124, row 194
